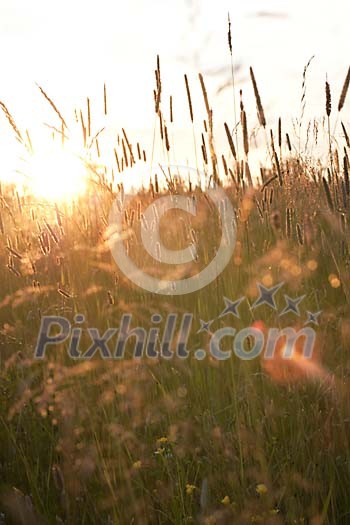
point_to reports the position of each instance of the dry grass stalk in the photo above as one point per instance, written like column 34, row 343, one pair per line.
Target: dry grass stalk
column 58, row 216
column 29, row 141
column 344, row 195
column 211, row 134
column 328, row 112
column 11, row 121
column 345, row 135
column 346, row 175
column 328, row 194
column 289, row 223
column 248, row 174
column 161, row 125
column 88, row 117
column 158, row 91
column 245, row 132
column 189, row 98
column 230, row 141
column 261, row 113
column 14, row 252
column 171, row 109
column 278, row 167
column 303, row 89
column 328, row 100
column 272, row 141
column 125, row 156
column 271, row 179
column 105, row 99
column 52, row 104
column 344, row 91
column 204, row 150
column 205, row 94
column 167, row 144
column 19, row 203
column 117, row 159
column 14, row 270
column 51, row 232
column 64, row 293
column 138, row 151
column 129, row 146
column 300, row 235
column 83, row 127
column 280, row 133
column 229, row 35
column 224, row 163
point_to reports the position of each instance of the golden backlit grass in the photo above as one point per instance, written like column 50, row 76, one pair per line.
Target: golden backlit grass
column 175, row 442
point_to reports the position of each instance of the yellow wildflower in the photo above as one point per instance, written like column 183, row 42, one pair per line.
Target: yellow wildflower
column 225, row 500
column 190, row 488
column 261, row 488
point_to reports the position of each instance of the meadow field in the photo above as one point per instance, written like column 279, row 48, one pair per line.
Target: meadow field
column 157, row 440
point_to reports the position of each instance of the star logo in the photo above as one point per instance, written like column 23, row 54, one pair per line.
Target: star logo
column 205, row 326
column 313, row 317
column 232, row 307
column 292, row 305
column 267, row 295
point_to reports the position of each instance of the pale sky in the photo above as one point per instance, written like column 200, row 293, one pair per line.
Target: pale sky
column 72, row 48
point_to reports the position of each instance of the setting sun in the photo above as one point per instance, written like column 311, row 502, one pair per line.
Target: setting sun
column 56, row 174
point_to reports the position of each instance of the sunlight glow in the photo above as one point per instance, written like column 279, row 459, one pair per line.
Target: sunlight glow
column 56, row 175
